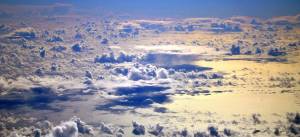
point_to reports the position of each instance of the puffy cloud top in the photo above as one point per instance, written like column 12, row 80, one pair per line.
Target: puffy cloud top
column 66, row 129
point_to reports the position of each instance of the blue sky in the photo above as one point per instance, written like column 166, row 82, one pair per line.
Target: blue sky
column 182, row 8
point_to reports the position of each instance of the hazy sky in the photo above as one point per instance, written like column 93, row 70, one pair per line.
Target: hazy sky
column 181, row 8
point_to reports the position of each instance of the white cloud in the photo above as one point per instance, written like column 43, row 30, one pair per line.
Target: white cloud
column 110, row 58
column 82, row 126
column 162, row 73
column 65, row 129
column 147, row 72
column 71, row 128
column 108, row 129
column 157, row 130
column 136, row 74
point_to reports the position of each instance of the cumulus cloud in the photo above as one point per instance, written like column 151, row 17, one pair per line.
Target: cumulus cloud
column 228, row 132
column 108, row 129
column 88, row 74
column 71, row 128
column 136, row 74
column 82, row 126
column 256, row 118
column 138, row 129
column 45, row 124
column 162, row 73
column 124, row 58
column 147, row 72
column 39, row 72
column 294, row 118
column 110, row 58
column 65, row 129
column 184, row 133
column 37, row 133
column 294, row 129
column 120, row 70
column 157, row 130
column 106, row 58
